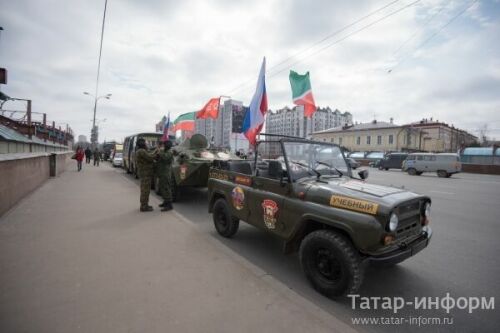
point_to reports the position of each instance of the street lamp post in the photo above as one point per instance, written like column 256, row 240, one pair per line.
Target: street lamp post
column 93, row 133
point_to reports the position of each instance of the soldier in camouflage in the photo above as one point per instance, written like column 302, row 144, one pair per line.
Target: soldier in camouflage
column 145, row 166
column 164, row 170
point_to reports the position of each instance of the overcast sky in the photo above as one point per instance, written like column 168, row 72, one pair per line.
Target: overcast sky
column 162, row 55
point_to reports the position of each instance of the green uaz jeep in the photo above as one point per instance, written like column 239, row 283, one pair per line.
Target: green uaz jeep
column 304, row 192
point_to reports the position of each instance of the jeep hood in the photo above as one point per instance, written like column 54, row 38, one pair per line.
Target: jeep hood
column 387, row 196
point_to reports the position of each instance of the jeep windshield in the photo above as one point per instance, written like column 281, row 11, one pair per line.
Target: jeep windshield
column 307, row 159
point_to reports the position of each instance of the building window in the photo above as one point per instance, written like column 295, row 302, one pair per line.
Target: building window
column 358, row 140
column 379, row 139
column 391, row 139
column 340, row 141
column 368, row 139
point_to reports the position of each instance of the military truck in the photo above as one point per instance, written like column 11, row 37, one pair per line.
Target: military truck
column 192, row 162
column 306, row 194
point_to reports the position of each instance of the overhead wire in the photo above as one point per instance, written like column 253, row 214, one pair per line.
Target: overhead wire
column 433, row 35
column 318, row 43
column 270, row 75
column 421, row 27
column 349, row 35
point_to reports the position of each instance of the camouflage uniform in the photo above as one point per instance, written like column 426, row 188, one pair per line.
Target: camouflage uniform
column 164, row 171
column 145, row 167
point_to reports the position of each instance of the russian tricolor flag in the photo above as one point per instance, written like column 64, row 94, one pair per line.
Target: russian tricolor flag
column 254, row 118
column 166, row 127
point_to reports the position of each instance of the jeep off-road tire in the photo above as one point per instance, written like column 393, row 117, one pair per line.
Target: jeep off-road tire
column 412, row 171
column 225, row 224
column 331, row 263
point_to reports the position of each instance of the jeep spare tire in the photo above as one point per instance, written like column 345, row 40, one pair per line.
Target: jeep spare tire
column 225, row 224
column 330, row 263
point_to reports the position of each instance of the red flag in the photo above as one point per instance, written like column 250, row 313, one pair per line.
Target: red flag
column 210, row 110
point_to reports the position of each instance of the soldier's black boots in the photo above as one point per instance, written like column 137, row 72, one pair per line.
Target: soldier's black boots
column 167, row 206
column 146, row 209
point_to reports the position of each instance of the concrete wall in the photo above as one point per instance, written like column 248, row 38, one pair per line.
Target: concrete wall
column 20, row 175
column 479, row 168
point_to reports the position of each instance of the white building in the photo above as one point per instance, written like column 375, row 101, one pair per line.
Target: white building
column 82, row 138
column 292, row 122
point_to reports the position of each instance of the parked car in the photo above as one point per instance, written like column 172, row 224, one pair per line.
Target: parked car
column 357, row 154
column 392, row 161
column 374, row 164
column 117, row 160
column 443, row 164
column 353, row 163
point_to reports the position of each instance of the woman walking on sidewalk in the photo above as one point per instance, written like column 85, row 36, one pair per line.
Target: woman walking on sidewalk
column 79, row 157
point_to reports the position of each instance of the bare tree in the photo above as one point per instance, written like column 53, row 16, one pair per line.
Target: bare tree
column 483, row 131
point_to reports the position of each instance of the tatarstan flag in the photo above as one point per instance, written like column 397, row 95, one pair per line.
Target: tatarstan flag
column 185, row 122
column 302, row 92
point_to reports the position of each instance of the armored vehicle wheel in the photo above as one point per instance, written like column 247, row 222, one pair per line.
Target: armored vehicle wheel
column 225, row 224
column 442, row 173
column 412, row 171
column 331, row 263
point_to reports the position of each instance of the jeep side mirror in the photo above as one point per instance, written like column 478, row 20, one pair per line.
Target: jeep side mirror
column 363, row 174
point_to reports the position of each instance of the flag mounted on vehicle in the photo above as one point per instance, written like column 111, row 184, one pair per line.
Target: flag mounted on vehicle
column 254, row 118
column 302, row 92
column 210, row 110
column 185, row 122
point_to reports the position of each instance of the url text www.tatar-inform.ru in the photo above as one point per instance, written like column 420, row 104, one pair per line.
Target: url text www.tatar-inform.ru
column 409, row 320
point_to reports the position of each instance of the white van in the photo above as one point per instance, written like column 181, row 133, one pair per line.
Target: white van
column 443, row 164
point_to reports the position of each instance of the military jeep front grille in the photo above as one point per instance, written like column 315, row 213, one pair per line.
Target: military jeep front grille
column 407, row 226
column 409, row 219
column 409, row 208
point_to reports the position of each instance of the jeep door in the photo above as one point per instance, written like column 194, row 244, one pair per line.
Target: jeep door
column 269, row 187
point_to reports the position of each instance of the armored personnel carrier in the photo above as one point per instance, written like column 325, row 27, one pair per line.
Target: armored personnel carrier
column 192, row 162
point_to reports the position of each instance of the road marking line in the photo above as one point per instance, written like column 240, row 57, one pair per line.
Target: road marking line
column 442, row 192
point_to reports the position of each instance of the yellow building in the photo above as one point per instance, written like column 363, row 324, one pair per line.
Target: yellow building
column 373, row 136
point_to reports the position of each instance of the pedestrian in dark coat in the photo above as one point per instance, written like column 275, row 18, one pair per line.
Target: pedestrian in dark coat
column 97, row 157
column 88, row 155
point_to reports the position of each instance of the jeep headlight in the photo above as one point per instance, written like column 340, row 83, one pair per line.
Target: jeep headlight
column 393, row 222
column 427, row 209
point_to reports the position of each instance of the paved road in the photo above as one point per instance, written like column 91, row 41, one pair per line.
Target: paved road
column 462, row 259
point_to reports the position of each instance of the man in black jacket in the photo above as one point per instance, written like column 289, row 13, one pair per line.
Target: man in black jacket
column 88, row 155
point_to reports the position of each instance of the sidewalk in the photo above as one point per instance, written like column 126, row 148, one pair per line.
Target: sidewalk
column 78, row 256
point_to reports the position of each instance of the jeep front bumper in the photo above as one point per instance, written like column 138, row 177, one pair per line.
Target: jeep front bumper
column 405, row 250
